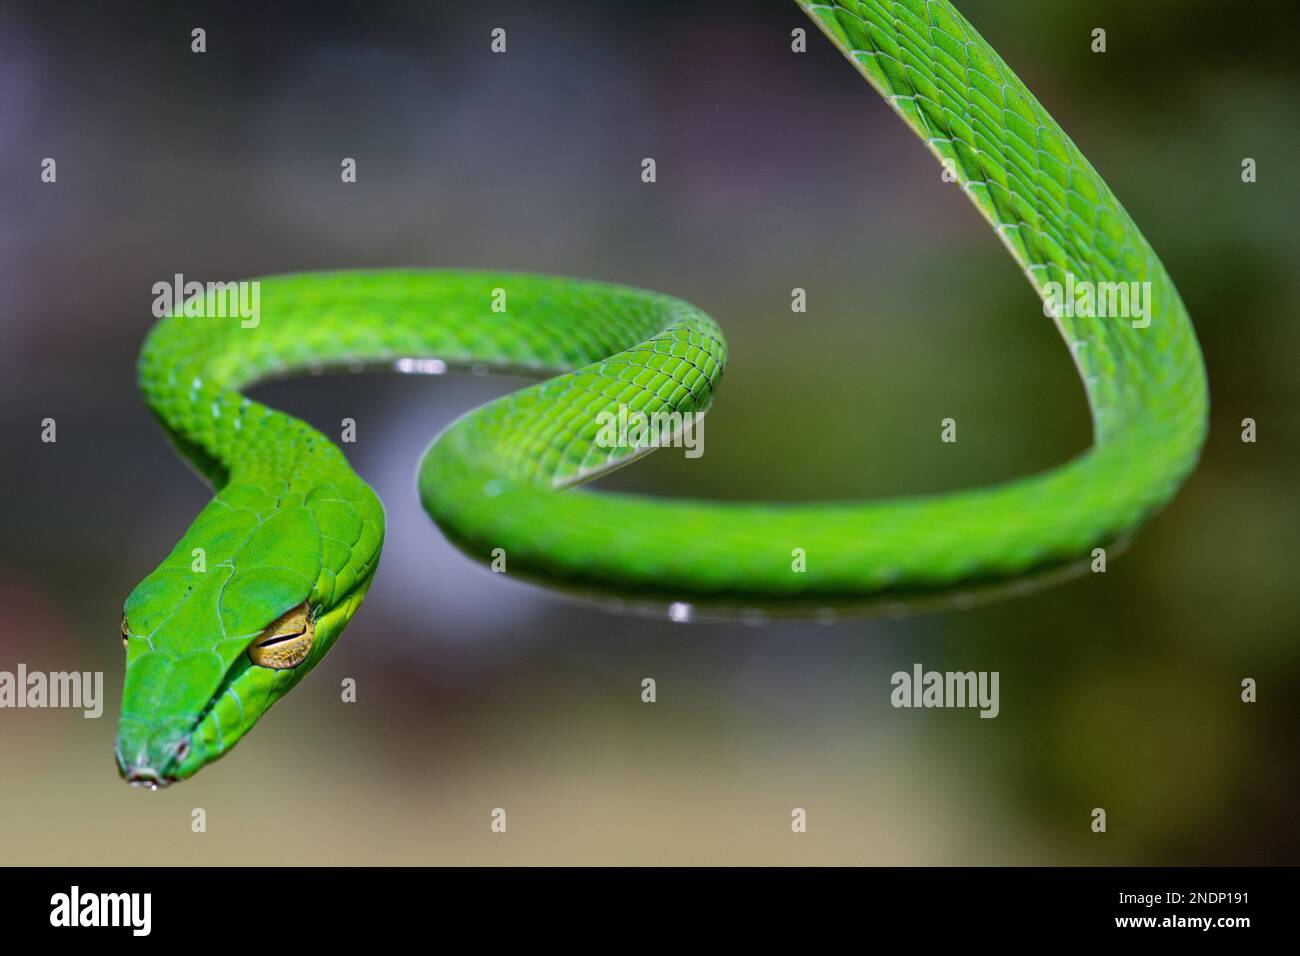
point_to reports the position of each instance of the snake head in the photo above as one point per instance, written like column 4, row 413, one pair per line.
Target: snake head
column 236, row 615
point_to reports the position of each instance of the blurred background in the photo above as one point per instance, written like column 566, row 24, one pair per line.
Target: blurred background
column 775, row 170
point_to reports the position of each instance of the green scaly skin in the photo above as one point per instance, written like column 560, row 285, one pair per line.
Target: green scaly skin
column 292, row 522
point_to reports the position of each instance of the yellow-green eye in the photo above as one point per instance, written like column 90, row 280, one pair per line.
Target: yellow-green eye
column 286, row 642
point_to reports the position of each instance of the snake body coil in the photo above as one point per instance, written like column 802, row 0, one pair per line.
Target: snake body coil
column 292, row 538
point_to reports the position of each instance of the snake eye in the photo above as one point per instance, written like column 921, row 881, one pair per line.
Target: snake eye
column 286, row 642
column 125, row 633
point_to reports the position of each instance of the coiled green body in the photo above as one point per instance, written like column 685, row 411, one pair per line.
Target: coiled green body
column 293, row 524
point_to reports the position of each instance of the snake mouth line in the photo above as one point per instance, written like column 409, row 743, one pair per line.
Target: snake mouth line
column 143, row 774
column 148, row 779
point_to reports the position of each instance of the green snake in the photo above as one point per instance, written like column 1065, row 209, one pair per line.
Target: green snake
column 263, row 582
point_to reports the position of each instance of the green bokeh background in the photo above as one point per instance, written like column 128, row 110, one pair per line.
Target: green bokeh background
column 775, row 170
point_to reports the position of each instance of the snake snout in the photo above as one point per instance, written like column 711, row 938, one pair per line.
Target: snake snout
column 154, row 760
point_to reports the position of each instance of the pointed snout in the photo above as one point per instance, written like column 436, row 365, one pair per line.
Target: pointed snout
column 149, row 756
